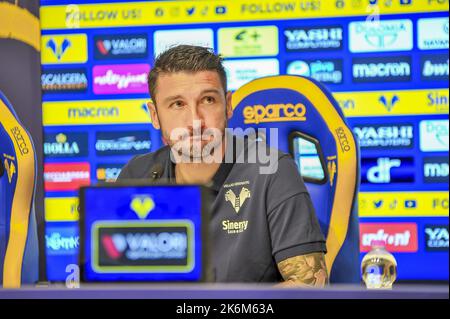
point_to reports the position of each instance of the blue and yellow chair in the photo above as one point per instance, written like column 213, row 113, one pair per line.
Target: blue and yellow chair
column 312, row 127
column 19, row 252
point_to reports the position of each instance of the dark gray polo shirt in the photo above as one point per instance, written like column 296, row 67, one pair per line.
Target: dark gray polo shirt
column 257, row 221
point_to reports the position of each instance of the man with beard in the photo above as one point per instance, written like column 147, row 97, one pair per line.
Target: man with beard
column 263, row 226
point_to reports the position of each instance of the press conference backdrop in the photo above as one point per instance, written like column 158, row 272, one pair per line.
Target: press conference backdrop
column 389, row 73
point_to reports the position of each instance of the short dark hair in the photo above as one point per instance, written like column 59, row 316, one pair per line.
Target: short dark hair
column 186, row 58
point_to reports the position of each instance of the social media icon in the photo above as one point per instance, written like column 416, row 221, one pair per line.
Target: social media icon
column 378, row 203
column 410, row 203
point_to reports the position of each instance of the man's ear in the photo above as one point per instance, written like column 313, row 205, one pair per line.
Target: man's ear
column 229, row 105
column 154, row 115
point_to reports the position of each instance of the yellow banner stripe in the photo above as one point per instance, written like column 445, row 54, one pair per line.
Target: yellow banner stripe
column 101, row 112
column 210, row 11
column 63, row 209
column 385, row 103
column 403, row 204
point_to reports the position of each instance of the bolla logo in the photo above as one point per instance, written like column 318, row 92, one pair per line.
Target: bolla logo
column 142, row 206
column 274, row 113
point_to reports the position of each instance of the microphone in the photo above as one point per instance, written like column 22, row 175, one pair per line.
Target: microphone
column 156, row 171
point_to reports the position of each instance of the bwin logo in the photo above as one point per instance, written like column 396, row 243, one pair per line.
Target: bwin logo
column 389, row 104
column 382, row 172
column 58, row 50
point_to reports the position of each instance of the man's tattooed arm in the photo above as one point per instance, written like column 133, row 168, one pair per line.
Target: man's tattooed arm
column 304, row 271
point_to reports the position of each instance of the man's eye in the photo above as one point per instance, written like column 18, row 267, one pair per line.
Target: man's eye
column 209, row 100
column 176, row 104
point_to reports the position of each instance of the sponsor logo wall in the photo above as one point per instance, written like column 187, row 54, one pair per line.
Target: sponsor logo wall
column 390, row 77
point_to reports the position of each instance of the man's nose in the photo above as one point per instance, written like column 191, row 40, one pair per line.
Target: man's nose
column 196, row 116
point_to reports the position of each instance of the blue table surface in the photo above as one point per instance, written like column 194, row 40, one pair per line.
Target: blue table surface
column 223, row 291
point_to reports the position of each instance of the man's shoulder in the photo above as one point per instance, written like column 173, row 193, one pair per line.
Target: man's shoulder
column 140, row 166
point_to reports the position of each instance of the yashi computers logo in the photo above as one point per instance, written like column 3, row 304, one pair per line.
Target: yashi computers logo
column 436, row 237
column 237, row 201
column 142, row 205
column 274, row 113
column 314, row 39
column 385, row 136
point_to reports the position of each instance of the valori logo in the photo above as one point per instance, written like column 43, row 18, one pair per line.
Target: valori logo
column 121, row 79
column 399, row 237
column 274, row 113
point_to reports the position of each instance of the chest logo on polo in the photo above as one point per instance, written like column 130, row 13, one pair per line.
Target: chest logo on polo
column 237, row 201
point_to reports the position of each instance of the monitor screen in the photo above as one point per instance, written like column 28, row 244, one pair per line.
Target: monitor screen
column 142, row 233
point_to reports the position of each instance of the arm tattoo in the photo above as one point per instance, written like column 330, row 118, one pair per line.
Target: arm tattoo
column 305, row 270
